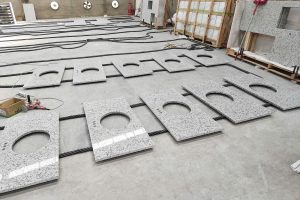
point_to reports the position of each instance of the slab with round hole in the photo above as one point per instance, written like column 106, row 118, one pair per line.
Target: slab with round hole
column 183, row 119
column 284, row 96
column 131, row 67
column 23, row 163
column 235, row 106
column 91, row 72
column 172, row 63
column 208, row 58
column 46, row 76
column 114, row 129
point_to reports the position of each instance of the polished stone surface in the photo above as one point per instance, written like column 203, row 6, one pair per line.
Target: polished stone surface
column 19, row 170
column 181, row 126
column 235, row 106
column 37, row 79
column 131, row 67
column 172, row 63
column 82, row 75
column 115, row 142
column 206, row 58
column 282, row 96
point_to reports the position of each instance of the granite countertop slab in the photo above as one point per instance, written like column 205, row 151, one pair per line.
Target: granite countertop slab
column 237, row 107
column 19, row 170
column 110, row 143
column 181, row 126
column 284, row 97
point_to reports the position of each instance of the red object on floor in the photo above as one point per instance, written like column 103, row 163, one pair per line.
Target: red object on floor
column 130, row 9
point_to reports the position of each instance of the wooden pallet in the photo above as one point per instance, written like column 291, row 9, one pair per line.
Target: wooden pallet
column 270, row 66
column 223, row 30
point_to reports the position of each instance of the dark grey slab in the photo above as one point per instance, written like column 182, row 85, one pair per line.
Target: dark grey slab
column 183, row 125
column 44, row 77
column 236, row 106
column 110, row 143
column 130, row 67
column 172, row 63
column 82, row 73
column 18, row 170
column 284, row 97
column 208, row 58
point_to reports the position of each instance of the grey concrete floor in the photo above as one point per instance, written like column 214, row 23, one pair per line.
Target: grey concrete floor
column 246, row 161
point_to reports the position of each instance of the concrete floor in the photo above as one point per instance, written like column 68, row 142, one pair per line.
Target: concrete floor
column 246, row 161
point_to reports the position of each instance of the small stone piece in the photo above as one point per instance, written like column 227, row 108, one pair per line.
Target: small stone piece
column 181, row 126
column 131, row 67
column 110, row 143
column 206, row 58
column 81, row 77
column 23, row 170
column 284, row 97
column 173, row 63
column 238, row 108
column 43, row 76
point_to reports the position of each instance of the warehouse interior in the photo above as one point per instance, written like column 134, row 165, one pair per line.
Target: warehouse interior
column 150, row 99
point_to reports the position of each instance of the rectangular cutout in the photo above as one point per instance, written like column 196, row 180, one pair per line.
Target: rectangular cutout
column 290, row 18
column 150, row 5
column 152, row 18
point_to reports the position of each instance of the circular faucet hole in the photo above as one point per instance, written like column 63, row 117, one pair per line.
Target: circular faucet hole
column 89, row 70
column 172, row 60
column 262, row 88
column 49, row 73
column 176, row 108
column 115, row 121
column 131, row 65
column 215, row 96
column 31, row 142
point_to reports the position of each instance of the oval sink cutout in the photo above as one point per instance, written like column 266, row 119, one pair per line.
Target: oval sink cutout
column 49, row 73
column 215, row 96
column 115, row 121
column 131, row 65
column 176, row 108
column 204, row 56
column 31, row 142
column 262, row 88
column 172, row 60
column 89, row 70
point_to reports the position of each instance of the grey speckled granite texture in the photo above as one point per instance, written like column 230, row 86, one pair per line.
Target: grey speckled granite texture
column 172, row 63
column 131, row 67
column 283, row 97
column 19, row 170
column 238, row 109
column 81, row 75
column 110, row 143
column 285, row 49
column 181, row 126
column 36, row 81
column 207, row 59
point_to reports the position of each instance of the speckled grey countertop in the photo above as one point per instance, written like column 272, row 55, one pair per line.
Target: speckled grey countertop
column 130, row 67
column 282, row 96
column 238, row 108
column 207, row 59
column 37, row 79
column 19, row 170
column 172, row 63
column 80, row 77
column 110, row 143
column 181, row 126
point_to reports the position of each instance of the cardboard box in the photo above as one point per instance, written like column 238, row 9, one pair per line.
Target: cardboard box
column 11, row 107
